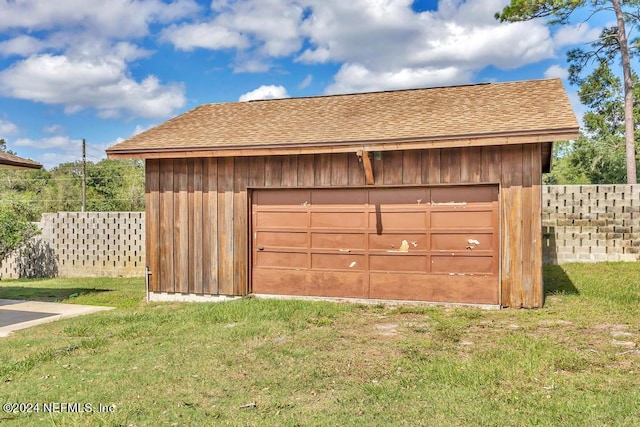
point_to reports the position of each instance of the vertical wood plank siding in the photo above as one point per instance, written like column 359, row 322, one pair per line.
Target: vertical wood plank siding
column 198, row 210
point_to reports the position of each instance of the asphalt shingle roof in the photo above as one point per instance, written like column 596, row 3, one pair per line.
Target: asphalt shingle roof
column 481, row 110
column 9, row 160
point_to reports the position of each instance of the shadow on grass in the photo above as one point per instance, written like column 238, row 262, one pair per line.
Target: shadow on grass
column 45, row 294
column 556, row 281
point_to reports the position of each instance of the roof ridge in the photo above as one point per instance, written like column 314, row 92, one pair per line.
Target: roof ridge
column 384, row 91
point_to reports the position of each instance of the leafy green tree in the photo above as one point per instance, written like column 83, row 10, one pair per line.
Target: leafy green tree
column 598, row 156
column 564, row 170
column 15, row 228
column 3, row 147
column 613, row 42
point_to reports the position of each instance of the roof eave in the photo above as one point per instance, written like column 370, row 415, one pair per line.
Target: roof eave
column 8, row 164
column 507, row 138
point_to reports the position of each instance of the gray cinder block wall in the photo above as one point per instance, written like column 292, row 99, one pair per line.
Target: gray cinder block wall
column 590, row 223
column 581, row 223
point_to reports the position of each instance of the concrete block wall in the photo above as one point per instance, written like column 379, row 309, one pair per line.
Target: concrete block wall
column 590, row 223
column 86, row 244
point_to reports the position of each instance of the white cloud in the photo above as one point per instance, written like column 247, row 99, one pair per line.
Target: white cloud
column 62, row 149
column 357, row 78
column 100, row 82
column 204, row 35
column 569, row 35
column 47, row 143
column 306, row 82
column 556, row 71
column 386, row 38
column 115, row 18
column 265, row 92
column 21, row 45
column 7, row 128
column 265, row 29
column 138, row 129
column 54, row 129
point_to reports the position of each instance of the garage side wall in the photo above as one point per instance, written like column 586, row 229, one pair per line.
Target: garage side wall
column 197, row 209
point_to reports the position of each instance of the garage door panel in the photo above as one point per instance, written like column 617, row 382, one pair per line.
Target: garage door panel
column 434, row 288
column 461, row 219
column 282, row 239
column 462, row 241
column 275, row 220
column 399, row 262
column 391, row 197
column 281, row 259
column 464, row 195
column 394, row 241
column 462, row 264
column 338, row 220
column 388, row 221
column 338, row 241
column 310, row 283
column 338, row 197
column 289, row 198
column 338, row 261
column 386, row 243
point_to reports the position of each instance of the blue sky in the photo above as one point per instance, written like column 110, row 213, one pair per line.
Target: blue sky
column 105, row 70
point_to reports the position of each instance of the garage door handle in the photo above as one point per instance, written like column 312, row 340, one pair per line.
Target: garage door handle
column 261, row 248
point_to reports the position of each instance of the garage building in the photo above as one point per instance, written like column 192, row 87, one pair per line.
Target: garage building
column 423, row 195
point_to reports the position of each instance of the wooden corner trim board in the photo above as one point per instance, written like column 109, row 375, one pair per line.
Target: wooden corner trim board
column 345, row 147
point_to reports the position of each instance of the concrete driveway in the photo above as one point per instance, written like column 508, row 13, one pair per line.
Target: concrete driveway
column 15, row 314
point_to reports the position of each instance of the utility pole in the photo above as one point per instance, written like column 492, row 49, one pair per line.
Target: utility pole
column 84, row 175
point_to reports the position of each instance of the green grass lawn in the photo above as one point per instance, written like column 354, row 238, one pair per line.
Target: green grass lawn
column 298, row 363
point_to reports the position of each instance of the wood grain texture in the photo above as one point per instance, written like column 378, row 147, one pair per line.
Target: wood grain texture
column 322, row 170
column 273, row 171
column 470, row 165
column 181, row 226
column 357, row 170
column 166, row 219
column 491, row 164
column 289, row 171
column 256, row 171
column 226, row 268
column 378, row 168
column 241, row 226
column 191, row 285
column 512, row 227
column 425, row 160
column 450, row 165
column 340, row 169
column 306, row 176
column 392, row 168
column 411, row 167
column 537, row 285
column 434, row 166
column 152, row 223
column 196, row 226
column 527, row 248
column 210, row 227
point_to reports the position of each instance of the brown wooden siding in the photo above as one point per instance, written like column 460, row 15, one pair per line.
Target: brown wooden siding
column 198, row 211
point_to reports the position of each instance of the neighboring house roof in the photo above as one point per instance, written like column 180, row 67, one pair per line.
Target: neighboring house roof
column 10, row 161
column 469, row 115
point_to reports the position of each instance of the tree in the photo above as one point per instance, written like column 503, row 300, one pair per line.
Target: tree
column 15, row 228
column 613, row 41
column 598, row 156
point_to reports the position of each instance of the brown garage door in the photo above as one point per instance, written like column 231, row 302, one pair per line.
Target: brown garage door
column 436, row 244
